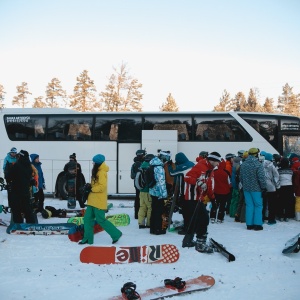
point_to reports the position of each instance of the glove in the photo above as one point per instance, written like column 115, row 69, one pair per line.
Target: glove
column 202, row 185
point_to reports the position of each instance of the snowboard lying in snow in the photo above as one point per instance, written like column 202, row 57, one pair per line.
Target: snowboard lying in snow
column 122, row 255
column 76, row 233
column 292, row 245
column 220, row 248
column 201, row 283
column 39, row 229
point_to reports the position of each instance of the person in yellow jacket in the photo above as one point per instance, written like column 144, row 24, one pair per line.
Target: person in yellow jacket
column 97, row 203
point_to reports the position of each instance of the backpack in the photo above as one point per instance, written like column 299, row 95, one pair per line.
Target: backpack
column 134, row 169
column 145, row 178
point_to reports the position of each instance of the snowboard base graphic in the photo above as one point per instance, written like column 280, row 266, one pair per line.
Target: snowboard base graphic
column 165, row 253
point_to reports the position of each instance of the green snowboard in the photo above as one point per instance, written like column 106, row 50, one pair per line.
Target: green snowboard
column 117, row 220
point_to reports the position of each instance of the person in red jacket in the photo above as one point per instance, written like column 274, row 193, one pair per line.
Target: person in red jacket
column 222, row 192
column 197, row 189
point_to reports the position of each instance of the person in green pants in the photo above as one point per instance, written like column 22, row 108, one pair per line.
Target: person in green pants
column 97, row 204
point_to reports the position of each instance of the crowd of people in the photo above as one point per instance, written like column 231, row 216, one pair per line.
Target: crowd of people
column 25, row 184
column 253, row 187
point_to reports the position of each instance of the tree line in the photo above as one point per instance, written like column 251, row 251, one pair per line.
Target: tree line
column 123, row 93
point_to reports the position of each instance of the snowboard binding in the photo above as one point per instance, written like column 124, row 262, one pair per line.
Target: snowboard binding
column 176, row 284
column 128, row 291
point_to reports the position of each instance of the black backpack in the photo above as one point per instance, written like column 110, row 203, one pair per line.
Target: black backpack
column 145, row 177
column 134, row 169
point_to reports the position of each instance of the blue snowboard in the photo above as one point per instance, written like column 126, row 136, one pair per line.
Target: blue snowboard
column 39, row 229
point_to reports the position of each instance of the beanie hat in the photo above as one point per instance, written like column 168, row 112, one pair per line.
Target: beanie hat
column 140, row 152
column 269, row 156
column 203, row 154
column 33, row 156
column 214, row 156
column 13, row 150
column 99, row 159
column 240, row 153
column 164, row 155
column 229, row 156
column 23, row 153
column 73, row 156
column 253, row 151
column 245, row 154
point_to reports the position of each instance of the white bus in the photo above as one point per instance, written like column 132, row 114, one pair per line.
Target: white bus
column 54, row 134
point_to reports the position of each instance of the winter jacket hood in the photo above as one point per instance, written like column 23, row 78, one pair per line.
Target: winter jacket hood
column 33, row 156
column 272, row 176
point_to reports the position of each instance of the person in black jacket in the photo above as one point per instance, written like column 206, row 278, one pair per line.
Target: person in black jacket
column 20, row 176
column 137, row 162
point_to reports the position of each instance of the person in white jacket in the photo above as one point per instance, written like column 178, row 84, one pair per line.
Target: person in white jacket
column 273, row 185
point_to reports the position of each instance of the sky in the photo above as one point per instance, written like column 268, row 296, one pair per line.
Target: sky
column 48, row 267
column 193, row 49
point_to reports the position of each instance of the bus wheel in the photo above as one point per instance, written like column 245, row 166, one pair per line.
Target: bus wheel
column 62, row 188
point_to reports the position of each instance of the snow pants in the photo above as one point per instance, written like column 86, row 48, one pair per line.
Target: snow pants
column 234, row 202
column 90, row 215
column 145, row 209
column 254, row 206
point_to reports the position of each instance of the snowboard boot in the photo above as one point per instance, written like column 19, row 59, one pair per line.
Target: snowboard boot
column 128, row 291
column 187, row 241
column 201, row 245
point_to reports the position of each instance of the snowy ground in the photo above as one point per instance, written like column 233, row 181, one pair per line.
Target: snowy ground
column 48, row 267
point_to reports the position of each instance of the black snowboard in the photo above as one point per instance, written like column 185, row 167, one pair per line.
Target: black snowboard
column 292, row 245
column 71, row 184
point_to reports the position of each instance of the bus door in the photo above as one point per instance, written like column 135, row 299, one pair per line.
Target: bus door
column 155, row 140
column 126, row 154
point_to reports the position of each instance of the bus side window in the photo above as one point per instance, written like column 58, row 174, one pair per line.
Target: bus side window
column 205, row 135
column 60, row 136
column 21, row 136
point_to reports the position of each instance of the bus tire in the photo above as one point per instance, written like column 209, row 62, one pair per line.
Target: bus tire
column 62, row 188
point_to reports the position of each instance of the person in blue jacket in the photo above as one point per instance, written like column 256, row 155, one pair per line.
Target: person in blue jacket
column 158, row 194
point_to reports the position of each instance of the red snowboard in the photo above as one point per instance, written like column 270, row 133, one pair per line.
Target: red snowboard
column 201, row 283
column 121, row 255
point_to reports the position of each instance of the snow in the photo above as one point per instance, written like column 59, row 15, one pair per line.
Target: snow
column 48, row 267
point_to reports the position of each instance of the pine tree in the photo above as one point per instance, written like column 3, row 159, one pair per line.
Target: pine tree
column 21, row 98
column 268, row 106
column 84, row 98
column 54, row 94
column 289, row 103
column 169, row 105
column 252, row 102
column 239, row 102
column 225, row 102
column 122, row 93
column 39, row 103
column 2, row 92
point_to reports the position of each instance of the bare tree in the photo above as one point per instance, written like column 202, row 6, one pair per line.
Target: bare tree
column 122, row 93
column 84, row 98
column 169, row 105
column 21, row 98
